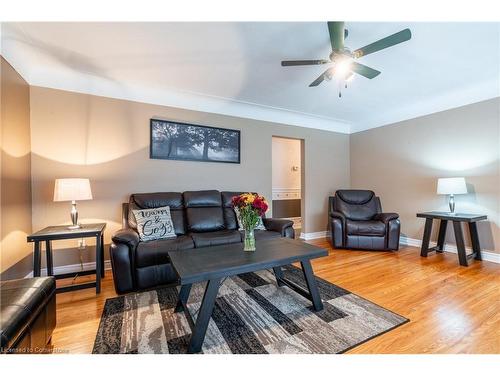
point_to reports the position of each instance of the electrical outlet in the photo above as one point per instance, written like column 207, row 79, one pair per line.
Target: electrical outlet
column 81, row 244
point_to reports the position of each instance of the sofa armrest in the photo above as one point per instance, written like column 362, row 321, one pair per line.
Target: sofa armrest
column 279, row 225
column 386, row 217
column 127, row 237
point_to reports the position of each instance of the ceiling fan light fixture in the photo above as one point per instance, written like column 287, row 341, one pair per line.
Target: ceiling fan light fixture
column 343, row 68
column 343, row 59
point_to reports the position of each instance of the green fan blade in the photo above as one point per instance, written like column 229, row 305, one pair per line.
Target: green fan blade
column 336, row 30
column 321, row 78
column 364, row 70
column 386, row 42
column 304, row 62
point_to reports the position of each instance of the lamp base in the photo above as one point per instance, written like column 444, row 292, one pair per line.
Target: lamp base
column 451, row 203
column 74, row 217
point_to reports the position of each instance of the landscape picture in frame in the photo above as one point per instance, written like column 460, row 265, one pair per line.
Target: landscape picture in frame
column 179, row 141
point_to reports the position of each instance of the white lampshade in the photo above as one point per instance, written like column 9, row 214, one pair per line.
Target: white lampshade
column 72, row 189
column 454, row 185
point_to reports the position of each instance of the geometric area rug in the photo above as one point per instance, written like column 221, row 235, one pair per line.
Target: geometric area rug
column 252, row 315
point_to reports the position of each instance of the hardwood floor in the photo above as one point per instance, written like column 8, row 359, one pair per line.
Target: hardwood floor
column 452, row 309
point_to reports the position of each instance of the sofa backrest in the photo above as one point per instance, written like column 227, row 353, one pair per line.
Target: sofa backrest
column 153, row 200
column 192, row 211
column 229, row 216
column 204, row 211
column 356, row 204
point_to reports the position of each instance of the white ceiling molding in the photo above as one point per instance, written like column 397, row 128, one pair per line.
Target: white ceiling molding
column 187, row 100
column 433, row 104
column 237, row 73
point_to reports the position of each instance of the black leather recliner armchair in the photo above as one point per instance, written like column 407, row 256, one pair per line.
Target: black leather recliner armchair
column 357, row 222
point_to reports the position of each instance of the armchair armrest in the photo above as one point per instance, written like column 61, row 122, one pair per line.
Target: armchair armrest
column 386, row 217
column 337, row 227
column 277, row 225
column 338, row 215
column 127, row 237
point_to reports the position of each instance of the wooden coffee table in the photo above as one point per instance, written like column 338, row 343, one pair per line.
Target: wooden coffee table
column 212, row 264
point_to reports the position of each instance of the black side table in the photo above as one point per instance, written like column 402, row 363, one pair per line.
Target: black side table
column 62, row 232
column 457, row 220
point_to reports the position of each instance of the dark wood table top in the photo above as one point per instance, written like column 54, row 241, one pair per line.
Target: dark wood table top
column 454, row 217
column 59, row 232
column 207, row 263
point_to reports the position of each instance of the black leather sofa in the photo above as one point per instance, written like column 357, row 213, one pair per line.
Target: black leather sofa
column 27, row 315
column 357, row 222
column 200, row 218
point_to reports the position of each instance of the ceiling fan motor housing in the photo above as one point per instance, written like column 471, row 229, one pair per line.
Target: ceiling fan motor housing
column 335, row 56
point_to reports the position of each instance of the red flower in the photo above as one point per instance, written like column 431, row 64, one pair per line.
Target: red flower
column 254, row 201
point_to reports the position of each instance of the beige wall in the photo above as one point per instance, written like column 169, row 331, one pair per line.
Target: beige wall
column 402, row 162
column 107, row 140
column 15, row 191
column 285, row 156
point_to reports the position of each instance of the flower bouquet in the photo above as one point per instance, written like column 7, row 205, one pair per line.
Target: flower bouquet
column 249, row 208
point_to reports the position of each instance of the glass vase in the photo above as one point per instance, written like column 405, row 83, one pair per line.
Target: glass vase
column 249, row 240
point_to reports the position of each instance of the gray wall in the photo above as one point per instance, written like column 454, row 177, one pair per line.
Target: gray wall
column 402, row 162
column 107, row 140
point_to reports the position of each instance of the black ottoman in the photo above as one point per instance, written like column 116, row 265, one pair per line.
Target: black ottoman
column 27, row 314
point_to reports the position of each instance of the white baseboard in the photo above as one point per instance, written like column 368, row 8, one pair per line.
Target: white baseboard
column 488, row 256
column 314, row 235
column 71, row 268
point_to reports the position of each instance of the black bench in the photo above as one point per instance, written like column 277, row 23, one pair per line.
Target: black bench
column 27, row 315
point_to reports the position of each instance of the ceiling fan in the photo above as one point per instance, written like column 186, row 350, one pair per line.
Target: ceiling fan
column 343, row 59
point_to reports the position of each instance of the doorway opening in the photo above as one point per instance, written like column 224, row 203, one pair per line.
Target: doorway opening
column 288, row 180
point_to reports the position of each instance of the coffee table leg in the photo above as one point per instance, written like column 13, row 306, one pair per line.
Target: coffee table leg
column 207, row 306
column 278, row 273
column 183, row 297
column 311, row 285
column 427, row 238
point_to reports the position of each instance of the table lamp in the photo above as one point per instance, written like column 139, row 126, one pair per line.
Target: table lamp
column 72, row 189
column 451, row 186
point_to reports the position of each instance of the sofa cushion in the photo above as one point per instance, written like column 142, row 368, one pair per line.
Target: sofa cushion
column 204, row 211
column 221, row 237
column 155, row 200
column 155, row 252
column 366, row 228
column 202, row 198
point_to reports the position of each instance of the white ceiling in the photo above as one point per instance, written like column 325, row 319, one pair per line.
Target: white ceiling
column 234, row 68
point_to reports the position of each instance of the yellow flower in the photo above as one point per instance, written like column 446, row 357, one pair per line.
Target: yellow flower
column 248, row 198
